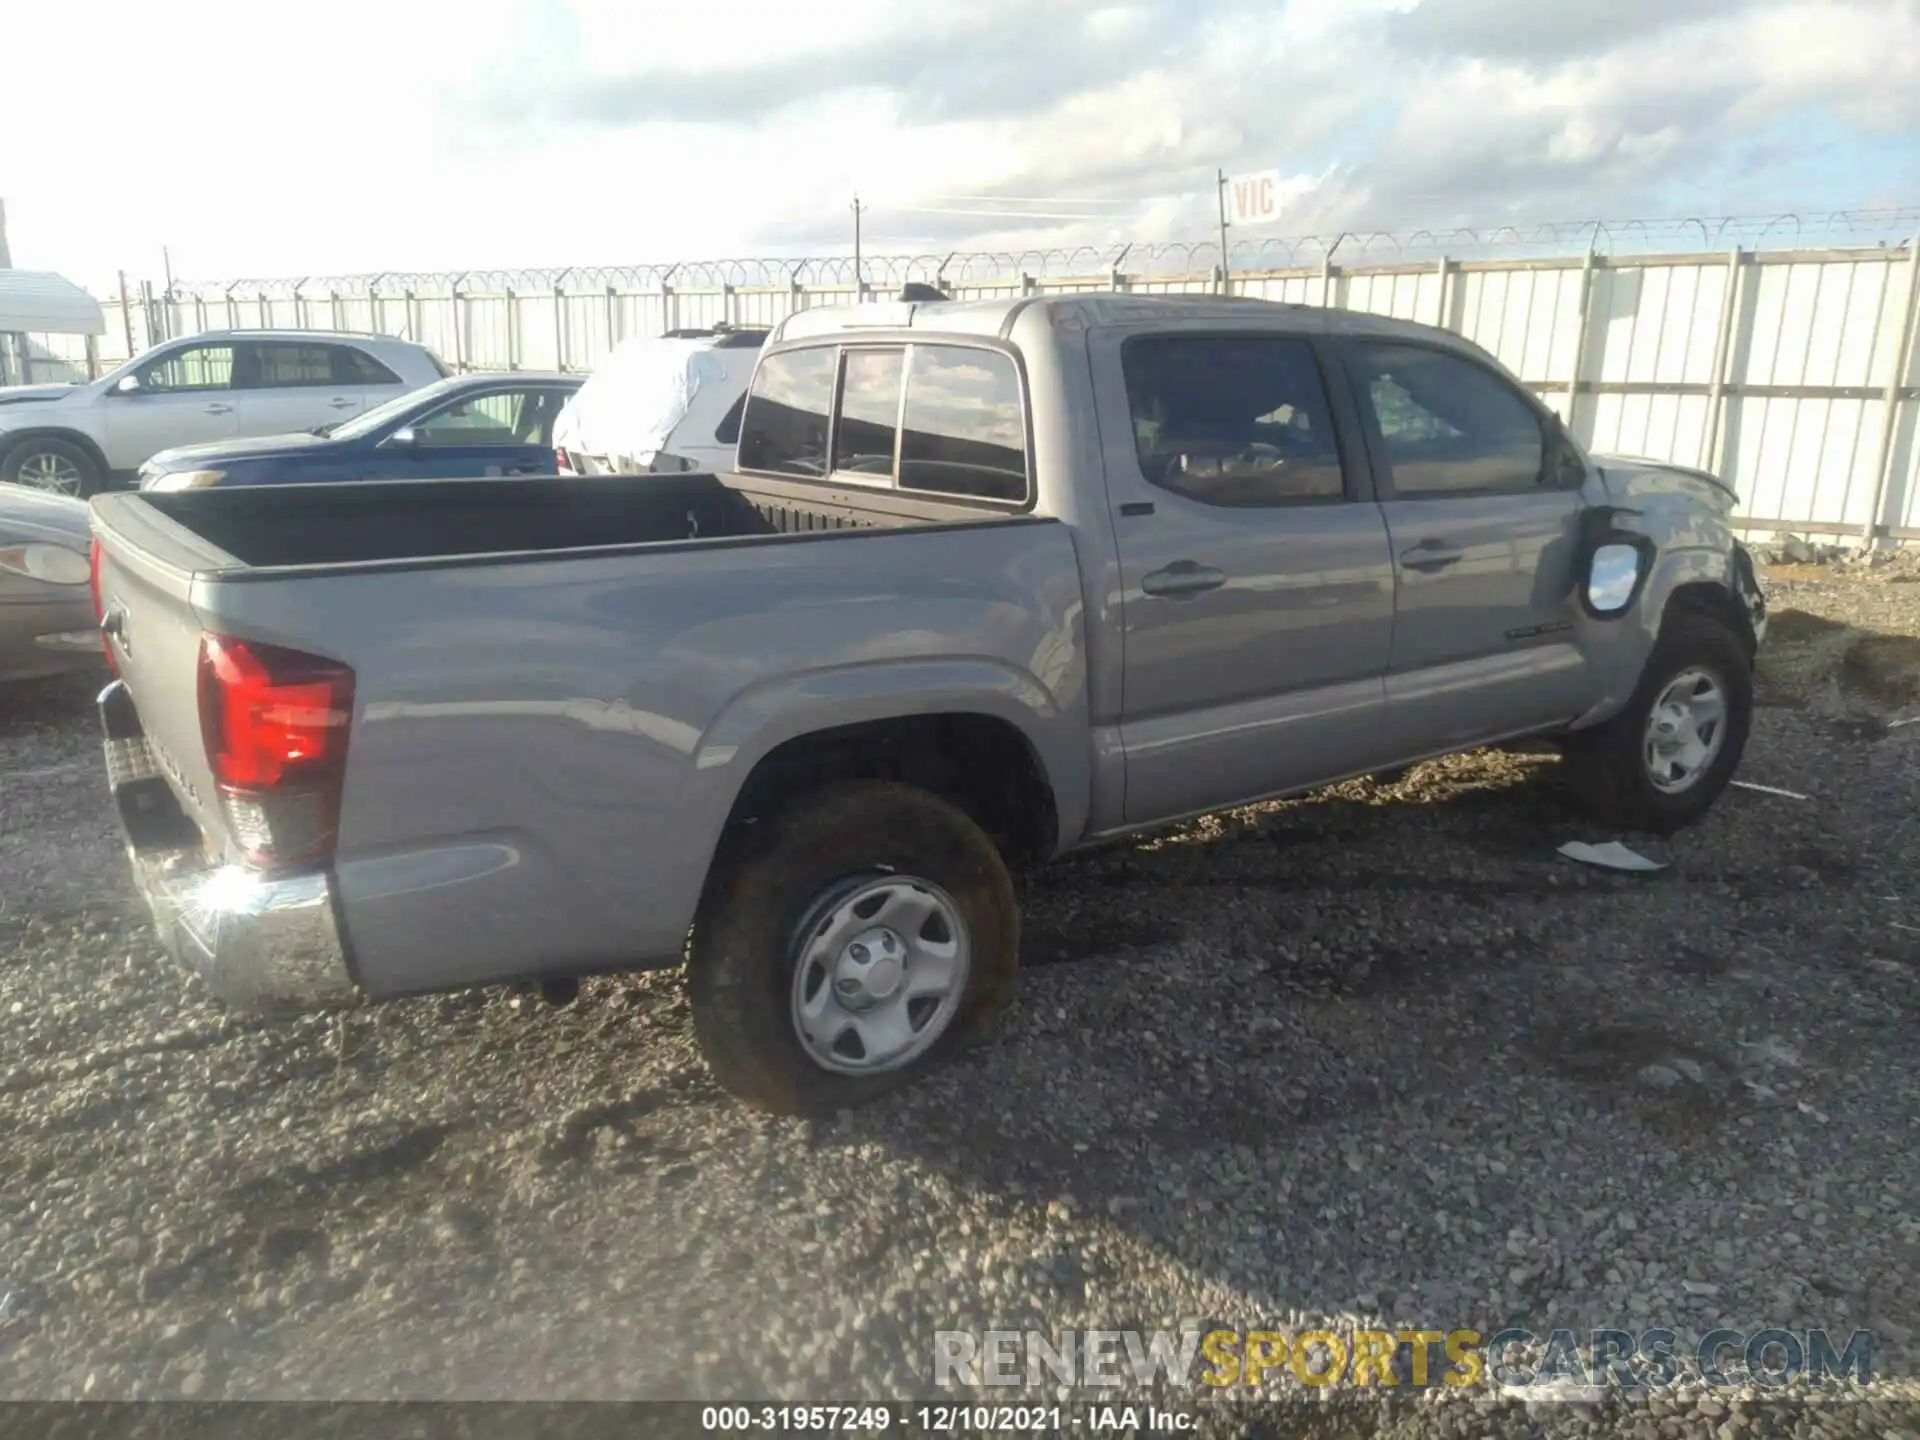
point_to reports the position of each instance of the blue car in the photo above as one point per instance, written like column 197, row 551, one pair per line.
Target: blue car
column 467, row 425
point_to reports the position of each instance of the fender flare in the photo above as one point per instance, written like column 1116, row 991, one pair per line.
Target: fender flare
column 763, row 717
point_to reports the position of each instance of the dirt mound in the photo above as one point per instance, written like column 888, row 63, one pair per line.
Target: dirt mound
column 1885, row 668
column 1791, row 627
column 1813, row 663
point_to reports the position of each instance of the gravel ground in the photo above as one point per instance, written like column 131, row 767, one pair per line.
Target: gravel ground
column 1374, row 1055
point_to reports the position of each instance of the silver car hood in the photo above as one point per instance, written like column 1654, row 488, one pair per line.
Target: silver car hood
column 36, row 394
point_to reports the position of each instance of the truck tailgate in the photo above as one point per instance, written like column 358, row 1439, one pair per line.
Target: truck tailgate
column 147, row 568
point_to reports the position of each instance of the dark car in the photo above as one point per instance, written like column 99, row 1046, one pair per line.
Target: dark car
column 468, row 425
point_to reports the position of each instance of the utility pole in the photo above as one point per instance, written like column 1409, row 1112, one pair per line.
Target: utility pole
column 859, row 276
column 126, row 315
column 6, row 257
column 1220, row 181
column 166, row 323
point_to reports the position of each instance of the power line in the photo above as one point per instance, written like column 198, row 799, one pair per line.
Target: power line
column 999, row 214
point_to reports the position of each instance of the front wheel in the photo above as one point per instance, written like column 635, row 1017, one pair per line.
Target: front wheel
column 848, row 944
column 1666, row 757
column 52, row 464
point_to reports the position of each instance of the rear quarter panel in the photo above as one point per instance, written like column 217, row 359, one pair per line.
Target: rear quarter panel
column 544, row 752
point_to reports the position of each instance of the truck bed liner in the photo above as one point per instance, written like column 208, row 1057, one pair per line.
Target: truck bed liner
column 273, row 526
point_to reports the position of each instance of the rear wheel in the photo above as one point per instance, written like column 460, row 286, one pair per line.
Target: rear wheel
column 1666, row 757
column 52, row 464
column 848, row 945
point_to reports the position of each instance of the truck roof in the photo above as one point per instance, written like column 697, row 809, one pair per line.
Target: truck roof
column 997, row 317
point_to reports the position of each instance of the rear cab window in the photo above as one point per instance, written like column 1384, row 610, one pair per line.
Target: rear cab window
column 931, row 419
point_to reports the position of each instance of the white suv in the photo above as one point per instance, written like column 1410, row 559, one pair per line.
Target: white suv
column 664, row 403
column 77, row 439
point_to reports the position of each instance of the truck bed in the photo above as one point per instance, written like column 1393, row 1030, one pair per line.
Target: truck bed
column 561, row 685
column 278, row 526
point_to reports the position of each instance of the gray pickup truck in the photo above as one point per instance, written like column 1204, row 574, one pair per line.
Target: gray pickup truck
column 990, row 581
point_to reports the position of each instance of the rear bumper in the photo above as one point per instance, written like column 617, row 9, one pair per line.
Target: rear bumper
column 259, row 942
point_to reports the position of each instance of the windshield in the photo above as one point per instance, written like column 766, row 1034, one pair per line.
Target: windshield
column 398, row 408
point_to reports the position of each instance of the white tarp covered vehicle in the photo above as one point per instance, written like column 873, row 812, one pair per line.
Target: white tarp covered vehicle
column 663, row 403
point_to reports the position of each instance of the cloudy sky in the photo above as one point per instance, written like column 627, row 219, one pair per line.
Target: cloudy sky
column 415, row 134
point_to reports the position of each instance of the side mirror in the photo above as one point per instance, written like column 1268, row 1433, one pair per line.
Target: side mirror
column 126, row 385
column 405, row 438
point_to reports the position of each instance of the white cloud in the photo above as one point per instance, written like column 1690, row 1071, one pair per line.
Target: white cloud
column 401, row 135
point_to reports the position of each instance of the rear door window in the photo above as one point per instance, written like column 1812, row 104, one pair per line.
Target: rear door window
column 1233, row 420
column 784, row 428
column 279, row 365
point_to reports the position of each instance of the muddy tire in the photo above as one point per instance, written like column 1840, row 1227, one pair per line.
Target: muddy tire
column 1659, row 764
column 849, row 944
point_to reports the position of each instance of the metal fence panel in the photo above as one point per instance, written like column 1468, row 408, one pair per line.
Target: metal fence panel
column 1776, row 368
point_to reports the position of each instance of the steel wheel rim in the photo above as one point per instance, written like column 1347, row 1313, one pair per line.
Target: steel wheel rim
column 1685, row 731
column 879, row 969
column 45, row 470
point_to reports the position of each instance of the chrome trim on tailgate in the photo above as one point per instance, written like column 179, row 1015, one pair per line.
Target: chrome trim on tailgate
column 260, row 942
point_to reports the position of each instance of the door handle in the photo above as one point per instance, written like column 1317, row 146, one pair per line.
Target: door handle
column 341, row 404
column 1431, row 555
column 219, row 409
column 1181, row 579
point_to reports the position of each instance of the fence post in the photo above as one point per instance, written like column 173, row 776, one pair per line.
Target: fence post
column 1445, row 271
column 266, row 315
column 126, row 315
column 727, row 305
column 560, row 322
column 93, row 357
column 1896, row 382
column 1028, row 285
column 669, row 305
column 1713, row 438
column 413, row 316
column 513, row 336
column 1580, row 333
column 459, row 326
column 333, row 310
column 613, row 318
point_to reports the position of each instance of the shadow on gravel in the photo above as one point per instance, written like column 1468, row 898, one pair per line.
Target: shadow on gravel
column 44, row 703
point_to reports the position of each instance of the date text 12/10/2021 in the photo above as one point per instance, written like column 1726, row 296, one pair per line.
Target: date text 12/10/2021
column 914, row 1418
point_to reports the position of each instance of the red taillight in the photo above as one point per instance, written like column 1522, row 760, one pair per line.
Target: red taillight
column 99, row 607
column 275, row 723
column 563, row 462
